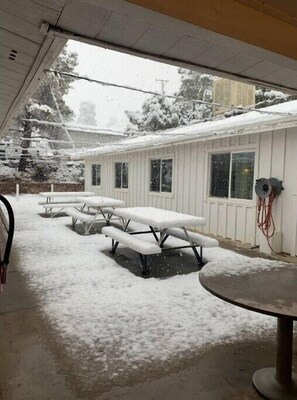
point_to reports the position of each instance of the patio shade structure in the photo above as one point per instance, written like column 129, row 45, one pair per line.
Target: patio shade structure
column 249, row 40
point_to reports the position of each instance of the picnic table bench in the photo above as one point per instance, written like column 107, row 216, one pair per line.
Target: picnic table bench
column 162, row 224
column 48, row 208
column 61, row 200
column 88, row 219
column 142, row 247
column 104, row 211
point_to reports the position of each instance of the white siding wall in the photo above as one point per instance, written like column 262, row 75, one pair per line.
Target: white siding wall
column 275, row 155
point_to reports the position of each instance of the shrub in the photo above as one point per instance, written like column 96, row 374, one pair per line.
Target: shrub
column 41, row 171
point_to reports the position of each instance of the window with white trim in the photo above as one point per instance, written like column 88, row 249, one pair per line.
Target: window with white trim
column 121, row 175
column 232, row 175
column 161, row 175
column 96, row 174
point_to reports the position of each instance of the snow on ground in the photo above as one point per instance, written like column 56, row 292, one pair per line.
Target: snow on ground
column 117, row 325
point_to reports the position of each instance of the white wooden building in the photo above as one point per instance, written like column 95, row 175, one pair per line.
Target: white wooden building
column 208, row 169
column 90, row 136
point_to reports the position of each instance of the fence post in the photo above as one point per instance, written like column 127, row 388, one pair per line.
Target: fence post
column 52, row 187
column 17, row 191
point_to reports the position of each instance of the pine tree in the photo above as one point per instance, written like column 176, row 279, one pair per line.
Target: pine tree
column 87, row 113
column 194, row 86
column 268, row 97
column 47, row 104
column 158, row 113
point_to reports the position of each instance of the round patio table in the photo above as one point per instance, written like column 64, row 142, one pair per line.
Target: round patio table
column 272, row 292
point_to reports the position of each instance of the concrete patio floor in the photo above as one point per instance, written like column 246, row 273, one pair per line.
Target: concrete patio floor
column 31, row 370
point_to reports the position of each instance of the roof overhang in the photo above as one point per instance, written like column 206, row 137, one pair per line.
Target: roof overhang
column 249, row 40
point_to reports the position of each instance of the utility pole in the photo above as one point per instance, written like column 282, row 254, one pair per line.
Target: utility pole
column 162, row 81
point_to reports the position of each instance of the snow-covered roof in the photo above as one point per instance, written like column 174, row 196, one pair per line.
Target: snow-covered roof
column 274, row 117
column 93, row 129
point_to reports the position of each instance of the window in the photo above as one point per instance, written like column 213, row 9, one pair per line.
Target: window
column 232, row 175
column 121, row 175
column 96, row 175
column 161, row 175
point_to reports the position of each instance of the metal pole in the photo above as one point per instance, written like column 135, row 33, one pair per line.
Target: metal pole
column 284, row 350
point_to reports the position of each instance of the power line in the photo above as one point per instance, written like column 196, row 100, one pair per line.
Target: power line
column 73, row 127
column 181, row 99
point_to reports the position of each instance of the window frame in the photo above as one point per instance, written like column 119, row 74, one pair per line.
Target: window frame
column 161, row 193
column 230, row 199
column 114, row 175
column 100, row 178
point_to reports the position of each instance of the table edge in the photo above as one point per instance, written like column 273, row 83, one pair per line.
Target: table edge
column 250, row 308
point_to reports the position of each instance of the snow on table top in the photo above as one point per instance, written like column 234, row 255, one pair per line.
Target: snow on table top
column 65, row 194
column 158, row 217
column 260, row 285
column 116, row 327
column 241, row 266
column 99, row 201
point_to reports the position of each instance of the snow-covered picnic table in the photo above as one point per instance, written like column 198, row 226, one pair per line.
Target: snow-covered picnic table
column 162, row 224
column 50, row 196
column 61, row 200
column 103, row 206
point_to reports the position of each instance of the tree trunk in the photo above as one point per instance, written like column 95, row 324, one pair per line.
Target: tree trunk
column 25, row 145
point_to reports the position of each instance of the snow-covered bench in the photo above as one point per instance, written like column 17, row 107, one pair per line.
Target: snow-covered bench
column 196, row 238
column 88, row 219
column 43, row 203
column 49, row 207
column 143, row 248
column 193, row 238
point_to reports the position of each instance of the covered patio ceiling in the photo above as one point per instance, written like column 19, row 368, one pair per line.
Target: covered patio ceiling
column 249, row 40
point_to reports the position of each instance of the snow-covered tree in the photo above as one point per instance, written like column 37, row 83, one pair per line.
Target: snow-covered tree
column 47, row 104
column 194, row 86
column 158, row 113
column 87, row 113
column 268, row 97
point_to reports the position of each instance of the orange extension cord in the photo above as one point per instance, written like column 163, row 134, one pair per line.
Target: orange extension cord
column 265, row 220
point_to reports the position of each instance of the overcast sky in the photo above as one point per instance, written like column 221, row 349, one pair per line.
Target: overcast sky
column 114, row 67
